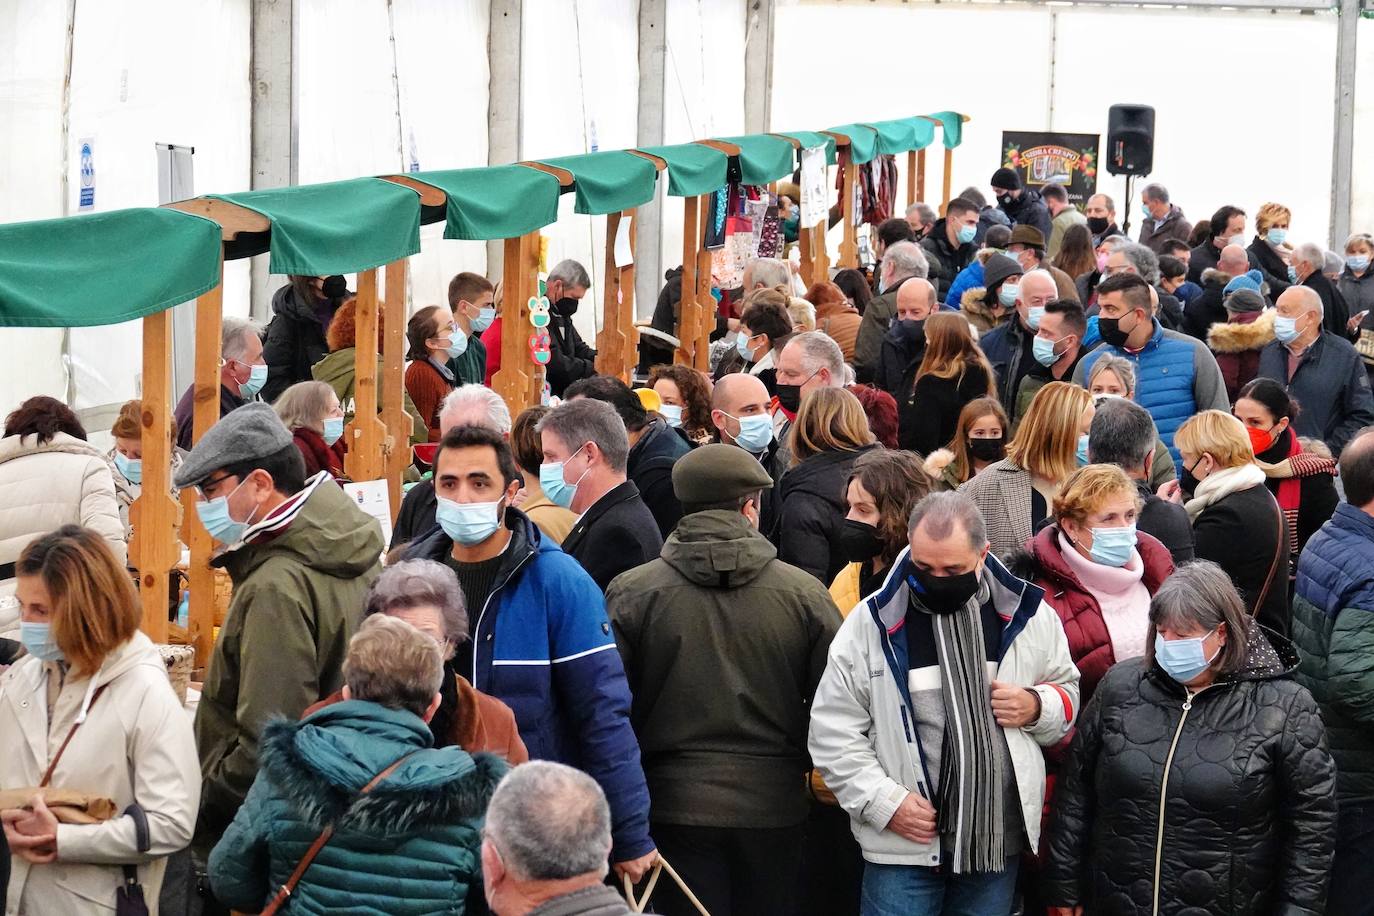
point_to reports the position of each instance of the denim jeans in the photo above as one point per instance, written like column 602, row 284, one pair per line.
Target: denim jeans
column 913, row 890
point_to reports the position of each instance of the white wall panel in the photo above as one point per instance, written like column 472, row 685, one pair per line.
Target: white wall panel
column 1362, row 188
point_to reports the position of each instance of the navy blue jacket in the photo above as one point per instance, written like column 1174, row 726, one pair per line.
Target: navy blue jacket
column 553, row 660
column 1331, row 385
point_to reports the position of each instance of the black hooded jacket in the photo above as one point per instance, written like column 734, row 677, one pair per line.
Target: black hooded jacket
column 295, row 342
column 1231, row 790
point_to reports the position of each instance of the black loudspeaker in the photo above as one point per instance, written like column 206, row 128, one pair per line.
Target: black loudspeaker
column 1130, row 139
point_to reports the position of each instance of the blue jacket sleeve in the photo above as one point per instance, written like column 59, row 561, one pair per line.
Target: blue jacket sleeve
column 240, row 863
column 969, row 278
column 590, row 677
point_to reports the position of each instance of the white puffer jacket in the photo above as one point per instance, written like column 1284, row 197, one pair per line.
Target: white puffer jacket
column 64, row 481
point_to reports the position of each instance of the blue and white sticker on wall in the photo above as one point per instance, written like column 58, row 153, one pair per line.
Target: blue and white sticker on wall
column 86, row 201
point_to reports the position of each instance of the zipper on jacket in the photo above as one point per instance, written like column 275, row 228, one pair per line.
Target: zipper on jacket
column 1164, row 793
column 477, row 631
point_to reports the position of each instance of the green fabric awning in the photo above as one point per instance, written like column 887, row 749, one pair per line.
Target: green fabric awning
column 903, row 135
column 863, row 141
column 810, row 139
column 336, row 228
column 104, row 268
column 608, row 182
column 499, row 202
column 952, row 127
column 763, row 158
column 693, row 169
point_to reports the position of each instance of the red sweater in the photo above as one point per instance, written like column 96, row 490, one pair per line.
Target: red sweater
column 427, row 387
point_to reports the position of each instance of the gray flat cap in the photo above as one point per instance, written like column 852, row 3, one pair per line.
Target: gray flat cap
column 250, row 432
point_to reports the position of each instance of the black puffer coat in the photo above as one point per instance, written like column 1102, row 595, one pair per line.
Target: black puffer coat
column 1249, row 816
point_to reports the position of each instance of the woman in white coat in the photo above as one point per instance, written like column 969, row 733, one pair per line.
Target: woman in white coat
column 50, row 476
column 93, row 683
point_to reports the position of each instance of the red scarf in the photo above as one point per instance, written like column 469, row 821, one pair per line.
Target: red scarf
column 1302, row 464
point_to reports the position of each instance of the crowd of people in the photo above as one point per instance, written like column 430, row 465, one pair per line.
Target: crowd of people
column 1033, row 574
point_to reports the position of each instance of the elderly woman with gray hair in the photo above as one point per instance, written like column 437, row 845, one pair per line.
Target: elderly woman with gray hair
column 426, row 595
column 1199, row 779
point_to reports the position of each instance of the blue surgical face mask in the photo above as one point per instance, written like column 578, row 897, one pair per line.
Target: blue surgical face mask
column 742, row 346
column 966, row 234
column 333, row 429
column 483, row 320
column 457, row 343
column 37, row 639
column 1007, row 294
column 755, row 432
column 1033, row 316
column 1357, row 262
column 555, row 487
column 1277, row 236
column 1082, row 452
column 1043, row 351
column 257, row 377
column 468, row 523
column 1292, row 274
column 672, row 414
column 1183, row 659
column 1113, row 546
column 1145, row 209
column 214, row 515
column 1285, row 329
column 131, row 468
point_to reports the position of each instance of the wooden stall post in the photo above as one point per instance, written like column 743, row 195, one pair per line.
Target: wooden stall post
column 154, row 514
column 398, row 423
column 807, row 266
column 949, row 166
column 921, row 175
column 625, row 283
column 529, row 279
column 687, row 312
column 201, row 622
column 706, row 307
column 849, row 245
column 512, row 381
column 366, row 433
column 911, row 177
column 611, row 342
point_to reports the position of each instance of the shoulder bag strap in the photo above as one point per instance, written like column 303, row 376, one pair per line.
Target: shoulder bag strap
column 47, row 776
column 1278, row 552
column 279, row 899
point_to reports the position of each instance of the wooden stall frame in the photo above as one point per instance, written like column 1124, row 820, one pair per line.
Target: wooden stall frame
column 366, row 434
column 705, row 302
column 949, row 169
column 153, row 550
column 849, row 243
column 397, row 423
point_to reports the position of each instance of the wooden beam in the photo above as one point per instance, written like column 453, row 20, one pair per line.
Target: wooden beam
column 565, row 178
column 430, row 196
column 687, row 317
column 153, row 515
column 610, row 343
column 949, row 166
column 849, row 246
column 729, row 149
column 627, row 309
column 512, row 381
column 921, row 175
column 398, row 423
column 366, row 433
column 910, row 177
column 232, row 218
column 205, row 400
column 706, row 303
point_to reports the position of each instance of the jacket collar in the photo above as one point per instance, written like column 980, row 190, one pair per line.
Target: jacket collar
column 1353, row 519
column 621, row 493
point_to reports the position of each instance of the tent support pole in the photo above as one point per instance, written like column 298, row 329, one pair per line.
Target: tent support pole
column 153, row 515
column 205, row 405
column 626, row 289
column 610, row 343
column 510, row 381
column 921, row 175
column 949, row 167
column 706, row 307
column 687, row 307
column 910, row 177
column 849, row 247
column 366, row 432
column 398, row 423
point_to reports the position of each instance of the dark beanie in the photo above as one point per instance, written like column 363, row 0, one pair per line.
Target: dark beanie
column 1006, row 179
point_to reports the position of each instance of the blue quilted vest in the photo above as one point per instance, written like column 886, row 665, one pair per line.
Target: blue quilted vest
column 1163, row 382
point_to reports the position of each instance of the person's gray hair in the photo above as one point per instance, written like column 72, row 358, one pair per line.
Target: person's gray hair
column 939, row 512
column 819, row 351
column 481, row 400
column 1358, row 238
column 1311, row 253
column 907, row 260
column 549, row 822
column 233, row 337
column 1122, row 367
column 1122, row 433
column 304, row 405
column 770, row 272
column 1334, row 264
column 589, row 420
column 925, row 211
column 419, row 583
column 802, row 313
column 572, row 273
column 973, row 196
column 1106, row 201
column 1200, row 596
column 1116, row 242
column 1145, row 261
column 1156, row 192
column 391, row 663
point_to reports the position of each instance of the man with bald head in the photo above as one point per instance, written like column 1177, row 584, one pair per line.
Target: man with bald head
column 904, row 344
column 740, row 412
column 1209, row 308
column 1322, row 371
column 1009, row 346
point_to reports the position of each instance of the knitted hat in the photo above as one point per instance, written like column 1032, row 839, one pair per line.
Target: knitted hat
column 718, row 473
column 1006, row 179
column 998, row 268
column 1251, row 279
column 247, row 433
column 1028, row 235
column 1244, row 299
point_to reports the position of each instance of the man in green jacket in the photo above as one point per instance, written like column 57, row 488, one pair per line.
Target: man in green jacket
column 301, row 556
column 723, row 645
column 472, row 298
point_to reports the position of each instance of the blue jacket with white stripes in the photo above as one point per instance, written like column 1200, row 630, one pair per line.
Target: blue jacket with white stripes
column 552, row 659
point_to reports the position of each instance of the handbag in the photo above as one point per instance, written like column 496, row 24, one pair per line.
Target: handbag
column 280, row 897
column 637, row 904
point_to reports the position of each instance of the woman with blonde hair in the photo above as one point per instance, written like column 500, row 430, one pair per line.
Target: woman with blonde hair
column 1237, row 524
column 125, row 458
column 1015, row 493
column 979, row 440
column 953, row 371
column 1270, row 247
column 829, row 435
column 89, row 712
column 312, row 412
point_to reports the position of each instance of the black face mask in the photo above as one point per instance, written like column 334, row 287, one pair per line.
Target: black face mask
column 942, row 594
column 907, row 331
column 566, row 307
column 859, row 541
column 988, row 449
column 1110, row 329
column 335, row 287
column 1098, row 224
column 789, row 397
column 1186, row 481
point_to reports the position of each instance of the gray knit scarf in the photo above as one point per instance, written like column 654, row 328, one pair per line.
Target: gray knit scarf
column 970, row 805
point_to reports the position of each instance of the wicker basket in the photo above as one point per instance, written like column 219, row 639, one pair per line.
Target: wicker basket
column 179, row 661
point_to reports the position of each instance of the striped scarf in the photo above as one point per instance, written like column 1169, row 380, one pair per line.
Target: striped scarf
column 970, row 803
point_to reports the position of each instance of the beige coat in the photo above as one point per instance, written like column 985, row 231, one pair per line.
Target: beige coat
column 43, row 487
column 135, row 746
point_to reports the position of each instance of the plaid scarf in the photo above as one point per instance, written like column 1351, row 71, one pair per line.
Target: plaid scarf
column 1290, row 463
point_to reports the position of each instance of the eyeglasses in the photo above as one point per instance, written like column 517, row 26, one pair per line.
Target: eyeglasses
column 210, row 484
